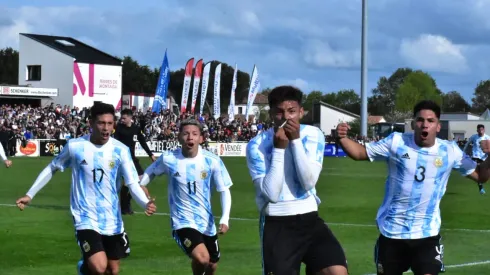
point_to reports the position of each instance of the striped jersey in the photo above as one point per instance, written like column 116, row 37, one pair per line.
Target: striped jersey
column 259, row 156
column 96, row 169
column 416, row 183
column 476, row 151
column 189, row 187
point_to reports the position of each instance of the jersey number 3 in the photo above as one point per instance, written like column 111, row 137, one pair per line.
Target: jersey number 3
column 420, row 174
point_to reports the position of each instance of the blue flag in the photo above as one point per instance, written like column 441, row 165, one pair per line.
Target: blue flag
column 160, row 100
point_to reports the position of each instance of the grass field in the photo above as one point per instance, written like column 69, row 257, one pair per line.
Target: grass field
column 41, row 240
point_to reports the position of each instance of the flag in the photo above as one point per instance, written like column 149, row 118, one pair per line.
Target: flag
column 187, row 85
column 160, row 100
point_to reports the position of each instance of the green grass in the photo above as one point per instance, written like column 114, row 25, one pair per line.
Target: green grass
column 40, row 240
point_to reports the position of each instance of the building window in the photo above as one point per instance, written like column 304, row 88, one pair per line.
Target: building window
column 33, row 72
column 240, row 110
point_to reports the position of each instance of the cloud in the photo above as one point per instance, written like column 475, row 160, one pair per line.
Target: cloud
column 321, row 54
column 434, row 53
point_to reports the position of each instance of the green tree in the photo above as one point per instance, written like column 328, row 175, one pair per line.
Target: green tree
column 417, row 86
column 312, row 98
column 9, row 66
column 384, row 94
column 481, row 97
column 454, row 102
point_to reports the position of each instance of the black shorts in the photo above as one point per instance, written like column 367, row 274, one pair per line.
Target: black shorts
column 189, row 238
column 287, row 241
column 139, row 169
column 477, row 160
column 116, row 246
column 395, row 256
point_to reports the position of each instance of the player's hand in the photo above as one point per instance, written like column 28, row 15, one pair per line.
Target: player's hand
column 280, row 139
column 342, row 130
column 292, row 129
column 8, row 163
column 153, row 158
column 485, row 146
column 22, row 202
column 151, row 208
column 223, row 228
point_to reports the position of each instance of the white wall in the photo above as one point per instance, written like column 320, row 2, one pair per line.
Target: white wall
column 329, row 118
column 92, row 82
column 255, row 110
column 56, row 69
column 460, row 116
column 468, row 128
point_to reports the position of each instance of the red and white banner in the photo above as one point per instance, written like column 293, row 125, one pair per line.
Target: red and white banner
column 187, row 85
column 31, row 149
column 217, row 87
column 231, row 108
column 204, row 87
column 195, row 85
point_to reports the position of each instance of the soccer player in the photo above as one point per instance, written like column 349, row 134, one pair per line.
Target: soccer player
column 97, row 161
column 3, row 156
column 192, row 171
column 476, row 153
column 128, row 133
column 285, row 163
column 420, row 164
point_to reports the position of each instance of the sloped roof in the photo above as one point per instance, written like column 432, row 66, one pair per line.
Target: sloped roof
column 80, row 51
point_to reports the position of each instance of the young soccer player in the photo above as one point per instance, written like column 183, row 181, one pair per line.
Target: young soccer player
column 97, row 161
column 191, row 173
column 476, row 153
column 285, row 163
column 420, row 164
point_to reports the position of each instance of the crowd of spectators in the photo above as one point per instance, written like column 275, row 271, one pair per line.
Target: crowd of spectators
column 23, row 122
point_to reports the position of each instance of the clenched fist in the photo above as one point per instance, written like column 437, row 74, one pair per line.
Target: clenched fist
column 342, row 130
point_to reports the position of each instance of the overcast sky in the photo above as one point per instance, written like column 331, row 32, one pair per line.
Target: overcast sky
column 313, row 44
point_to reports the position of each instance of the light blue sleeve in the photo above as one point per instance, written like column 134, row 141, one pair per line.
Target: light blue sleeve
column 462, row 162
column 255, row 160
column 380, row 150
column 63, row 160
column 221, row 177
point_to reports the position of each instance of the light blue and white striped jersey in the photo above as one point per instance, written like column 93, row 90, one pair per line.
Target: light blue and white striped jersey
column 416, row 183
column 476, row 151
column 96, row 169
column 189, row 188
column 259, row 156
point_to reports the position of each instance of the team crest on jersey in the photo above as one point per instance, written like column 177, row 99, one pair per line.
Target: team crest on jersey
column 204, row 174
column 187, row 242
column 438, row 162
column 112, row 164
column 86, row 247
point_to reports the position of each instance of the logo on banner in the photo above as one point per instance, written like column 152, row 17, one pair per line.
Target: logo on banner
column 230, row 149
column 52, row 148
column 30, row 148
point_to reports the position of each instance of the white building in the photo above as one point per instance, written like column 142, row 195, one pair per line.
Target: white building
column 81, row 73
column 261, row 103
column 327, row 117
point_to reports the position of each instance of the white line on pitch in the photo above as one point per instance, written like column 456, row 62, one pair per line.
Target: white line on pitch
column 451, row 266
column 328, row 223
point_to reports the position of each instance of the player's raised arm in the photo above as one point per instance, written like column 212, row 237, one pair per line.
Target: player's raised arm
column 60, row 162
column 157, row 168
column 269, row 183
column 223, row 182
column 131, row 180
column 3, row 156
column 308, row 156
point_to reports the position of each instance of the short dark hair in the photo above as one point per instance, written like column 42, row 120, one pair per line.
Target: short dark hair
column 284, row 93
column 190, row 121
column 480, row 126
column 127, row 112
column 100, row 108
column 427, row 105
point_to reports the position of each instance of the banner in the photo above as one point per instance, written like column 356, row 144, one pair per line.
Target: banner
column 156, row 147
column 253, row 91
column 187, row 85
column 51, row 148
column 31, row 149
column 231, row 109
column 160, row 101
column 204, row 87
column 232, row 149
column 217, row 86
column 332, row 150
column 27, row 91
column 195, row 85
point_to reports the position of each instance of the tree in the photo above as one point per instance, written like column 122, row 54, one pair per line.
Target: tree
column 348, row 100
column 481, row 98
column 312, row 98
column 9, row 66
column 454, row 102
column 384, row 94
column 417, row 86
